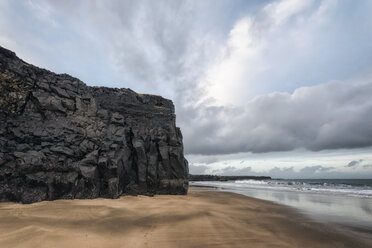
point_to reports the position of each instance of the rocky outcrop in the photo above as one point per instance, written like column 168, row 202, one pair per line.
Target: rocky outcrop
column 60, row 139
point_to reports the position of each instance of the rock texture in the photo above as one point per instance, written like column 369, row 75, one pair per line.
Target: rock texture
column 62, row 139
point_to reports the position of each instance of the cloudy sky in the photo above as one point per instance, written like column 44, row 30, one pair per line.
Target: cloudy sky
column 262, row 87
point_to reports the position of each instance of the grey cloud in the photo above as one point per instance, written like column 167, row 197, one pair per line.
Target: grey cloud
column 228, row 169
column 197, row 169
column 208, row 159
column 311, row 170
column 160, row 45
column 233, row 171
column 307, row 172
column 354, row 163
column 327, row 116
column 247, row 171
column 281, row 172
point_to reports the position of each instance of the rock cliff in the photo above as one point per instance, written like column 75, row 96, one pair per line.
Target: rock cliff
column 60, row 139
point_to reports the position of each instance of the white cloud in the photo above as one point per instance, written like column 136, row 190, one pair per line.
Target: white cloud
column 263, row 48
column 281, row 11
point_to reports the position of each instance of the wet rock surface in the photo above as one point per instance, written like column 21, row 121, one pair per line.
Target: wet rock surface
column 60, row 139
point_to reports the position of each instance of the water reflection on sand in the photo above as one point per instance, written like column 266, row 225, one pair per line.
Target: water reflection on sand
column 352, row 211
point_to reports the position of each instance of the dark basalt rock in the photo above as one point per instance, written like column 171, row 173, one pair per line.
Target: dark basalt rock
column 60, row 139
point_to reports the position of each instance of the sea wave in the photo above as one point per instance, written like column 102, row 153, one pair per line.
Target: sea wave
column 250, row 181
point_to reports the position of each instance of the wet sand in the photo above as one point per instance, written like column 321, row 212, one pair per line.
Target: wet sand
column 203, row 218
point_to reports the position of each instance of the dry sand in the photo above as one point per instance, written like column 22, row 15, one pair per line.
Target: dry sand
column 200, row 219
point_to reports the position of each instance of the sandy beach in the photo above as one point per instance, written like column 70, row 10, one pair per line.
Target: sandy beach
column 202, row 218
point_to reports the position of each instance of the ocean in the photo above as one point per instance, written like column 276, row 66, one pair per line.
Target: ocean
column 345, row 202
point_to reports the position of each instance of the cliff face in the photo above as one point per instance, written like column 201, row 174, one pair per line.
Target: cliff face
column 62, row 139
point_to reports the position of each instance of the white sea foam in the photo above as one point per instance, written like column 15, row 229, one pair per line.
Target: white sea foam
column 250, row 181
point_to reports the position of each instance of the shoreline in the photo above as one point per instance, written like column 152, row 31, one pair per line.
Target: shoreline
column 347, row 211
column 203, row 218
column 361, row 232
